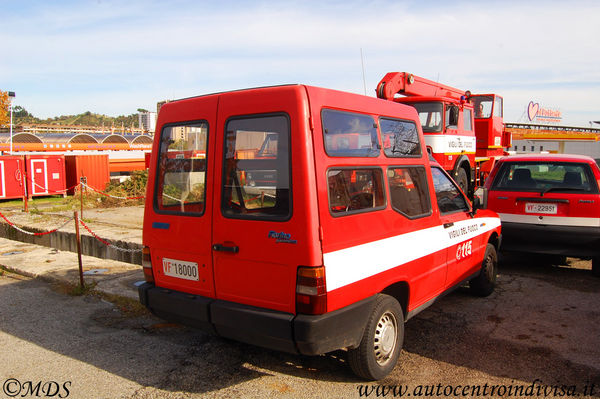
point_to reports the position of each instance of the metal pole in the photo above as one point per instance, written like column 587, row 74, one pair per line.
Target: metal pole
column 11, row 95
column 76, row 216
column 11, row 123
column 81, row 196
column 25, row 193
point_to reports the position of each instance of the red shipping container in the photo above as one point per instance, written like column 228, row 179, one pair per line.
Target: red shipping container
column 93, row 168
column 12, row 178
column 45, row 175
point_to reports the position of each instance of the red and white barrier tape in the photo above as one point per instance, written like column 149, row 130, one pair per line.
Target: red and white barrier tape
column 108, row 244
column 173, row 198
column 31, row 233
column 46, row 191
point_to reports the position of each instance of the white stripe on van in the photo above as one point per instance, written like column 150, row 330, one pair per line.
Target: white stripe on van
column 549, row 220
column 353, row 264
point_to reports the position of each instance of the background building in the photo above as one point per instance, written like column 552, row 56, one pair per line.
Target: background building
column 147, row 121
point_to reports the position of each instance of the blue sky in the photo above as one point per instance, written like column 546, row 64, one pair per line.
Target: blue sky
column 112, row 57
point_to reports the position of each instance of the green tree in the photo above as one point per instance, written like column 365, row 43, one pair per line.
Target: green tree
column 20, row 112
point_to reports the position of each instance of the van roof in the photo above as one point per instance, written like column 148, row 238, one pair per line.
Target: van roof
column 234, row 91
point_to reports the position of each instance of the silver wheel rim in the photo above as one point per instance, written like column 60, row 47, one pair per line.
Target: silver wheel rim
column 489, row 267
column 386, row 334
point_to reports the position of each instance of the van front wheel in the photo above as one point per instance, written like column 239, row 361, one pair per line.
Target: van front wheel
column 485, row 282
column 378, row 351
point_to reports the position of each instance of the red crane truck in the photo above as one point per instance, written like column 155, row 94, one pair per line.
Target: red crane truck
column 464, row 132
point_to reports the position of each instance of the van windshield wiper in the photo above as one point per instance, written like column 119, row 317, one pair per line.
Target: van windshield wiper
column 560, row 189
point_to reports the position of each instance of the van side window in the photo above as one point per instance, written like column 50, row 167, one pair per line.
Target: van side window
column 181, row 173
column 400, row 138
column 256, row 168
column 409, row 191
column 449, row 197
column 349, row 134
column 355, row 190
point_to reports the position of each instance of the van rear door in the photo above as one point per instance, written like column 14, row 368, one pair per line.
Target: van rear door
column 179, row 228
column 261, row 231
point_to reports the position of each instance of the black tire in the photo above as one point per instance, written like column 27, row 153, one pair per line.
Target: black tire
column 462, row 180
column 485, row 282
column 596, row 266
column 380, row 346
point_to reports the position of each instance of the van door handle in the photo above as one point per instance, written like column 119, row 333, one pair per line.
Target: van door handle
column 224, row 248
column 446, row 225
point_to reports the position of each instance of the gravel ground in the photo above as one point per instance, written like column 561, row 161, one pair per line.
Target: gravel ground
column 540, row 331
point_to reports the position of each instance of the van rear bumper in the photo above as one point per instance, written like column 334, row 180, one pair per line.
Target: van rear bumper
column 305, row 334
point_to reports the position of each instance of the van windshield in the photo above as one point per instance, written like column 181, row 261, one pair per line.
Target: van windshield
column 256, row 172
column 181, row 177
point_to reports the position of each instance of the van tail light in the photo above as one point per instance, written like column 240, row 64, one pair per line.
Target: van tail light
column 311, row 291
column 147, row 265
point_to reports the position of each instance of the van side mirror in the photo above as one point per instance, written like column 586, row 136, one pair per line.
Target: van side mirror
column 480, row 199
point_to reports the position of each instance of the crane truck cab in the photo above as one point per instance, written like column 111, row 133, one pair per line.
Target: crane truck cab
column 305, row 220
column 463, row 132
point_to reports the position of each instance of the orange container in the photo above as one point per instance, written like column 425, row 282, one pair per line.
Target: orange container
column 94, row 169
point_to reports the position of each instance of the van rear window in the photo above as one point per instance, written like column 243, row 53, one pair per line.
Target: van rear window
column 181, row 184
column 352, row 190
column 400, row 138
column 256, row 168
column 349, row 134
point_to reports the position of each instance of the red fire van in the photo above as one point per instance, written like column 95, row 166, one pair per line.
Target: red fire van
column 305, row 220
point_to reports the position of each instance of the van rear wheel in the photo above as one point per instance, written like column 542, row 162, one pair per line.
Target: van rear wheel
column 596, row 266
column 378, row 351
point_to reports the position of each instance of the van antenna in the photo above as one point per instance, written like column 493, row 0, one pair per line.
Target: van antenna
column 363, row 71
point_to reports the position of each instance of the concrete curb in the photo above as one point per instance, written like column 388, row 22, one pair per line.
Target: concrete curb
column 111, row 277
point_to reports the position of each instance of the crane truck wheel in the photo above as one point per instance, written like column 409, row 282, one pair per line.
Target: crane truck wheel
column 462, row 180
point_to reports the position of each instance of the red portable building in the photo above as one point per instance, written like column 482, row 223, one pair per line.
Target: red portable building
column 94, row 169
column 12, row 178
column 45, row 175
